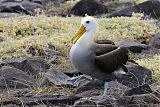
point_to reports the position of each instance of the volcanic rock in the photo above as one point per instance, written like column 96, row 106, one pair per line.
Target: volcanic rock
column 14, row 78
column 90, row 7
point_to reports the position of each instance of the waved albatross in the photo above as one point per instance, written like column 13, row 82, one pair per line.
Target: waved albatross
column 101, row 61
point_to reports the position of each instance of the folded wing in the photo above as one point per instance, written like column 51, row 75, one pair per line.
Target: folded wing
column 110, row 57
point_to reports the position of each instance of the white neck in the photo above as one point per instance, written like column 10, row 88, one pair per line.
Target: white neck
column 87, row 39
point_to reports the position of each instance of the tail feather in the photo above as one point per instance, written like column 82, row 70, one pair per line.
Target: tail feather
column 122, row 71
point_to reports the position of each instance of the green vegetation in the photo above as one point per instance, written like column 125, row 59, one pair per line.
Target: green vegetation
column 151, row 63
column 119, row 28
column 17, row 34
column 136, row 1
column 54, row 89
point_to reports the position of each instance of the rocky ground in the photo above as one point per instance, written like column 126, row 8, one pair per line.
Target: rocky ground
column 101, row 8
column 41, row 76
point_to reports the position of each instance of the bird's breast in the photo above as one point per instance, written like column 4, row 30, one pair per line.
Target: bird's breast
column 81, row 58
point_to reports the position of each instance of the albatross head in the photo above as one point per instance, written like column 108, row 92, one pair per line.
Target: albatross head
column 88, row 25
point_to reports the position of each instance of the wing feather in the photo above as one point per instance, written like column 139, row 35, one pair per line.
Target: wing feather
column 104, row 42
column 105, row 48
column 111, row 60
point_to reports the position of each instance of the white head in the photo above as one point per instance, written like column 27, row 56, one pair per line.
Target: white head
column 88, row 24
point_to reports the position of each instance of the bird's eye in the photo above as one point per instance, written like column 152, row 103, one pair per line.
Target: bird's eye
column 87, row 21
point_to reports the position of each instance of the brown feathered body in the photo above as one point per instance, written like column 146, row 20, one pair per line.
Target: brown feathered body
column 101, row 61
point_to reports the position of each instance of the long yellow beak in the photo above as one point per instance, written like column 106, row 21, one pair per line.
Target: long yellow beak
column 81, row 31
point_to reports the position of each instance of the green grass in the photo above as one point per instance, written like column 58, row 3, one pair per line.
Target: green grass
column 16, row 34
column 54, row 89
column 151, row 63
column 136, row 1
